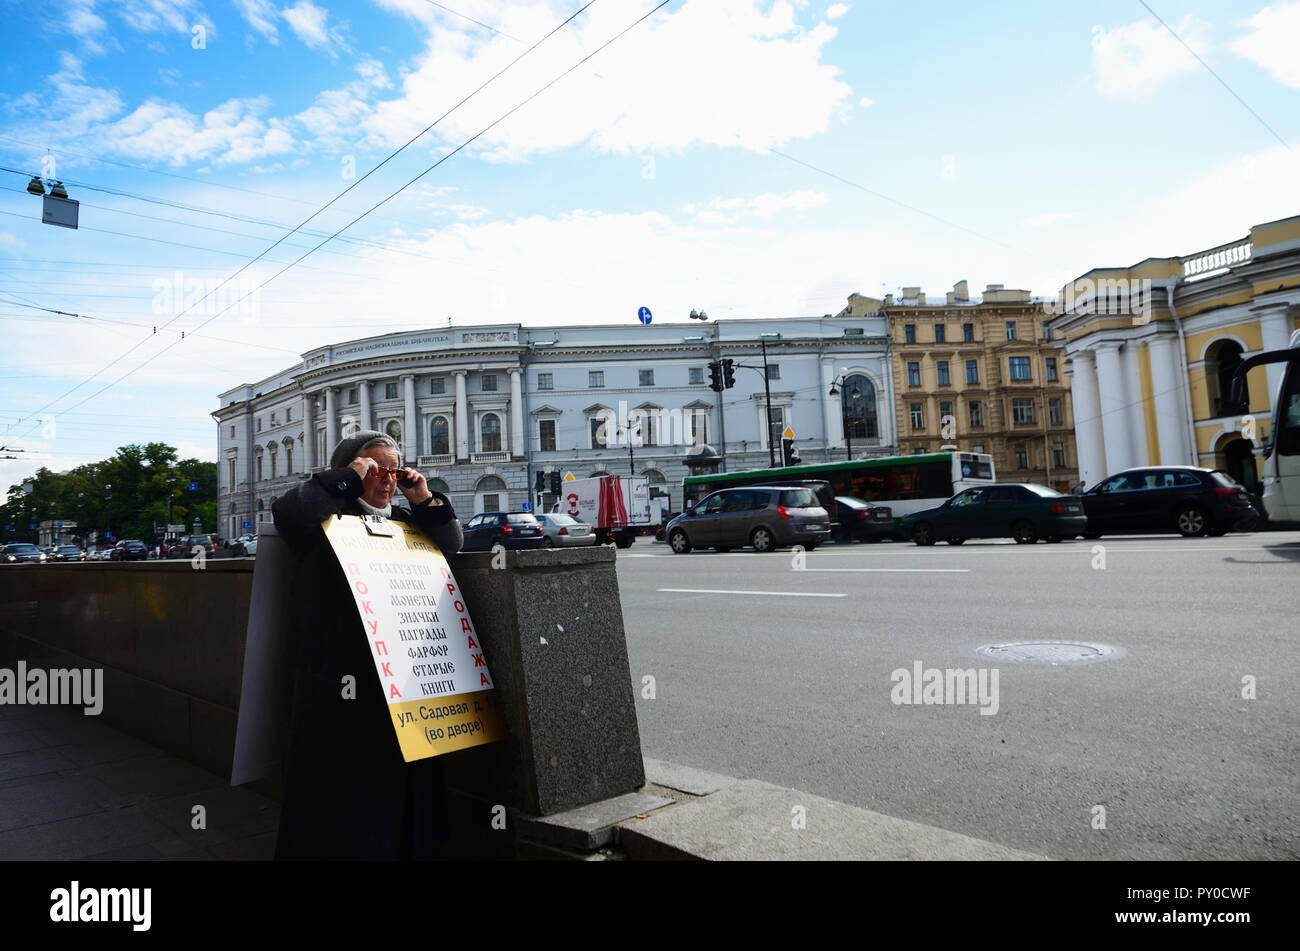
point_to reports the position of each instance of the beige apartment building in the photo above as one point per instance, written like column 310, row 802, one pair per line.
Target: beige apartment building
column 983, row 375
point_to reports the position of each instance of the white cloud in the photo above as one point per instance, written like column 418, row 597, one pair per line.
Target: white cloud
column 310, row 24
column 1131, row 61
column 232, row 132
column 728, row 75
column 866, row 103
column 261, row 16
column 332, row 119
column 1274, row 43
column 162, row 16
column 836, row 10
column 11, row 240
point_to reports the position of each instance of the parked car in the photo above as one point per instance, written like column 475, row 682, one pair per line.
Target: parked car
column 130, row 549
column 861, row 521
column 244, row 546
column 69, row 553
column 565, row 531
column 23, row 553
column 1185, row 499
column 507, row 529
column 1023, row 511
column 184, row 546
column 762, row 516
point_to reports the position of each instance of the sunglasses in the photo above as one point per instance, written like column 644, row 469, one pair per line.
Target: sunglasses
column 385, row 473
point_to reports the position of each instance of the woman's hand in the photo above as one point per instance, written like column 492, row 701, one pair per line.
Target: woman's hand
column 414, row 486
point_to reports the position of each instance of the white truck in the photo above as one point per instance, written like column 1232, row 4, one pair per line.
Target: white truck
column 616, row 507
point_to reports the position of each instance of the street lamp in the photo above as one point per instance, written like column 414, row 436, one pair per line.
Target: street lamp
column 853, row 396
column 627, row 430
column 767, row 392
column 108, row 499
column 171, row 481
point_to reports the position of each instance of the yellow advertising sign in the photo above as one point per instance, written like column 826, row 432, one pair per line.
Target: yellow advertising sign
column 424, row 645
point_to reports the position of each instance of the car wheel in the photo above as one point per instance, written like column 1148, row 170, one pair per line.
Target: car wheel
column 922, row 534
column 550, row 542
column 809, row 546
column 624, row 541
column 1023, row 532
column 955, row 541
column 762, row 540
column 1190, row 521
column 679, row 543
column 1092, row 535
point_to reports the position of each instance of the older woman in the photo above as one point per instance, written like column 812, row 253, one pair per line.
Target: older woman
column 348, row 793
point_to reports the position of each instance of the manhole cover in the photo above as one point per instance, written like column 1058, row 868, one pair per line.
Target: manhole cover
column 1047, row 652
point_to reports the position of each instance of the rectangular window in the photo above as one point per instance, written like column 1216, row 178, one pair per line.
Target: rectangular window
column 597, row 426
column 1022, row 410
column 939, row 333
column 647, row 378
column 1054, row 413
column 232, row 432
column 437, row 385
column 288, row 414
column 488, row 382
column 972, row 371
column 943, row 373
column 774, row 371
column 695, row 375
column 914, row 374
column 945, row 411
column 1051, row 369
column 546, row 433
column 776, row 425
column 546, row 381
column 1047, row 330
column 968, row 333
column 259, row 424
column 595, row 379
column 919, row 451
column 273, row 420
column 390, row 391
column 1011, row 330
column 918, row 416
column 976, row 415
column 1022, row 457
column 1019, row 368
column 909, row 333
column 232, row 475
column 699, row 434
column 1058, row 455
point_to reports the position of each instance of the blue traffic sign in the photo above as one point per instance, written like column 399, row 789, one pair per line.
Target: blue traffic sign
column 248, row 525
column 644, row 315
column 528, row 506
column 194, row 486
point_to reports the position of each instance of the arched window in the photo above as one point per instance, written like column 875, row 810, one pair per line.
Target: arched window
column 1221, row 361
column 490, row 432
column 654, row 477
column 858, row 408
column 439, row 438
column 490, row 494
column 394, row 430
column 439, row 485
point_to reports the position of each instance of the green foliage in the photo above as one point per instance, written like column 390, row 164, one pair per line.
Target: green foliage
column 125, row 495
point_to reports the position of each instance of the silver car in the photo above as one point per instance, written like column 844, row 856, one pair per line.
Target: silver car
column 761, row 516
column 565, row 531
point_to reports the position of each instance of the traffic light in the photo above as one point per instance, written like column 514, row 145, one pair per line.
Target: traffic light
column 555, row 482
column 789, row 455
column 729, row 371
column 715, row 376
column 539, row 484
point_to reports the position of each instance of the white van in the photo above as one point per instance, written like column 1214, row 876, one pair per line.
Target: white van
column 1281, row 480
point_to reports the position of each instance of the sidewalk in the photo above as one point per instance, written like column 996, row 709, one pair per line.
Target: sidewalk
column 73, row 788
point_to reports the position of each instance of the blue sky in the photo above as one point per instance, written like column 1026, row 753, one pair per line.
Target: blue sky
column 1016, row 143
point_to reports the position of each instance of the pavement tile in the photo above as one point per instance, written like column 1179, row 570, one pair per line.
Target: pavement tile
column 33, row 762
column 82, row 836
column 18, row 742
column 255, row 848
column 49, row 799
column 230, row 813
column 152, row 778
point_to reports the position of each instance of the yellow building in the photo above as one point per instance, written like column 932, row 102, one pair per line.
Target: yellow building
column 984, row 375
column 1152, row 349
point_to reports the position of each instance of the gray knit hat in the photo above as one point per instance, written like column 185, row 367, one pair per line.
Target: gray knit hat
column 357, row 443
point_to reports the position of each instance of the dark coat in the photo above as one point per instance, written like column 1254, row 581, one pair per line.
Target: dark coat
column 348, row 794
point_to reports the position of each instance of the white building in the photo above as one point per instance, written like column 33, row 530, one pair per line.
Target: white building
column 481, row 410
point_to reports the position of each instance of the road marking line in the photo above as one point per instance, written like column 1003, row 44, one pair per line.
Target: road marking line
column 779, row 594
column 907, row 570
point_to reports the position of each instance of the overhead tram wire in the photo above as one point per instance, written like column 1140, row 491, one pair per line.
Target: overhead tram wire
column 1222, row 81
column 380, row 203
column 345, row 191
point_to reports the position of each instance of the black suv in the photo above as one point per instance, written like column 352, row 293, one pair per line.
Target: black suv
column 1184, row 499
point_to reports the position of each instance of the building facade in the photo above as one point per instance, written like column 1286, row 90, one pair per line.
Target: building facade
column 1152, row 350
column 481, row 411
column 985, row 375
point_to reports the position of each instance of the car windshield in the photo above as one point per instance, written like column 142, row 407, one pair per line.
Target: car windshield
column 66, row 549
column 562, row 520
column 521, row 519
column 799, row 499
column 1043, row 490
column 21, row 549
column 1225, row 480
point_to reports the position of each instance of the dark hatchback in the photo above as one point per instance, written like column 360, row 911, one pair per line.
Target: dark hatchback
column 132, row 549
column 507, row 529
column 861, row 521
column 1024, row 511
column 1184, row 499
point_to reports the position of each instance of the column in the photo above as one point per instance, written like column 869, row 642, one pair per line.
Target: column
column 410, row 428
column 1133, row 408
column 308, row 434
column 1087, row 418
column 462, row 416
column 834, row 416
column 1114, row 415
column 516, row 414
column 331, row 419
column 1171, row 417
column 367, row 417
column 1275, row 329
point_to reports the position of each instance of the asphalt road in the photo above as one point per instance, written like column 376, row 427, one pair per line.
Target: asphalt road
column 758, row 681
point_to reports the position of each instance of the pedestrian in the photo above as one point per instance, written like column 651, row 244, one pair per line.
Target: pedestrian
column 348, row 793
column 1078, row 489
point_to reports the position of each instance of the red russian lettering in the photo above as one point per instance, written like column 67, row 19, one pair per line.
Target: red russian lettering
column 478, row 661
column 451, row 588
column 465, row 625
column 471, row 641
column 388, row 670
column 381, row 648
column 394, row 692
column 365, row 608
column 374, row 627
column 483, row 681
column 353, row 569
column 361, row 588
column 446, row 572
column 459, row 606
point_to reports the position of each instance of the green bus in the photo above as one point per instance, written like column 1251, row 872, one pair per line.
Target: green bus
column 904, row 483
